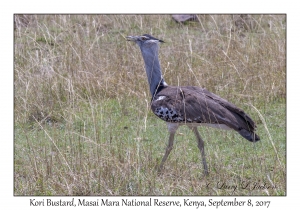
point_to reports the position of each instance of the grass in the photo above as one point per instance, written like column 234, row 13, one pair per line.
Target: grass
column 82, row 120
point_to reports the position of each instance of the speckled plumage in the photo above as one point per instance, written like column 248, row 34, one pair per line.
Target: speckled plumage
column 188, row 104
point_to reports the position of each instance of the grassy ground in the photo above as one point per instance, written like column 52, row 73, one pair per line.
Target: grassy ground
column 82, row 120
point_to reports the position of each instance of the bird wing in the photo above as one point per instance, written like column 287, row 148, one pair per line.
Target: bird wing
column 197, row 105
column 231, row 107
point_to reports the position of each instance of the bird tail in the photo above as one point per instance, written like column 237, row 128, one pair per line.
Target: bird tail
column 250, row 136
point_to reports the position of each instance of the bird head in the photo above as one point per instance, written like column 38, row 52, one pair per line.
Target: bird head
column 144, row 40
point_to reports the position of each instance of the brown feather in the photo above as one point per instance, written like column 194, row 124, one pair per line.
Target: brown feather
column 197, row 105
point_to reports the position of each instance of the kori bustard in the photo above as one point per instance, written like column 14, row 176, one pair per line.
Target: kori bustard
column 189, row 105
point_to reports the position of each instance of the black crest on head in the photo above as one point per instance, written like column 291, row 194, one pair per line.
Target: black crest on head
column 152, row 37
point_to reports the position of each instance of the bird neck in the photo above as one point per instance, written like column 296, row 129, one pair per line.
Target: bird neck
column 152, row 65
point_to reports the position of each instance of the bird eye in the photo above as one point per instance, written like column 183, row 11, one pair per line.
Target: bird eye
column 144, row 38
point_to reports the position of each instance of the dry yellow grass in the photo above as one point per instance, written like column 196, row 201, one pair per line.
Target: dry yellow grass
column 82, row 119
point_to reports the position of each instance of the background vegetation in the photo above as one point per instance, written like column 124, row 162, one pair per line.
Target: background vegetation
column 83, row 125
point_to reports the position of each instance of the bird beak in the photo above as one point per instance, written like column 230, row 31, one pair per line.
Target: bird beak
column 131, row 38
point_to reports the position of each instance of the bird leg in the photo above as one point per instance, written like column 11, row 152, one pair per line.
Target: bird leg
column 201, row 148
column 172, row 127
column 168, row 150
